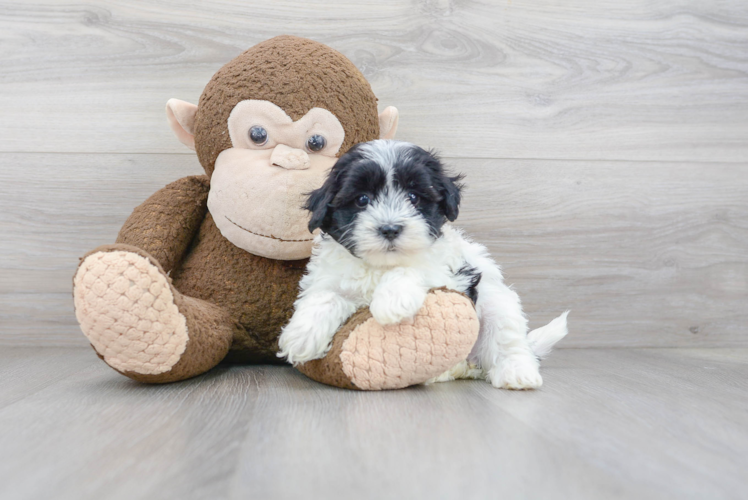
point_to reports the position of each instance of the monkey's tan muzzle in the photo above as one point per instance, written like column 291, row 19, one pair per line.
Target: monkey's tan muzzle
column 289, row 158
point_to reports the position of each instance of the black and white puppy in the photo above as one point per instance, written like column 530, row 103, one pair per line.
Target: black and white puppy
column 385, row 242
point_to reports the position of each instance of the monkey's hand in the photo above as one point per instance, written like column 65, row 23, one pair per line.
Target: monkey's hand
column 399, row 296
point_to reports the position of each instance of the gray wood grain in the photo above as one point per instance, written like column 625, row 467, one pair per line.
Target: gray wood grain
column 608, row 423
column 53, row 209
column 643, row 80
column 27, row 370
column 644, row 254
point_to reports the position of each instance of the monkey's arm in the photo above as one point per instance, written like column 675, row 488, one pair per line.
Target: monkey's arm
column 165, row 224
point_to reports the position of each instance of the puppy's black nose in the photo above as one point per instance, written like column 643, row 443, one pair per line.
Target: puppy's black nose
column 391, row 231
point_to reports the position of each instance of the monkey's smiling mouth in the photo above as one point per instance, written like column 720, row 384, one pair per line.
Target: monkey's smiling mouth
column 271, row 237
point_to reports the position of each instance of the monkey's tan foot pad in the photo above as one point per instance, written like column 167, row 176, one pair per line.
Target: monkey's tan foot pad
column 368, row 356
column 125, row 306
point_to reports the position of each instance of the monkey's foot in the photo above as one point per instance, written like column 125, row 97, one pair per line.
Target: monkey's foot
column 125, row 306
column 368, row 356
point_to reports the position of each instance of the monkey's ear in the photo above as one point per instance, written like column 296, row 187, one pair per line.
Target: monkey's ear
column 388, row 122
column 181, row 116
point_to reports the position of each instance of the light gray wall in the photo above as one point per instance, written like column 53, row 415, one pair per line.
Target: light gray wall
column 605, row 143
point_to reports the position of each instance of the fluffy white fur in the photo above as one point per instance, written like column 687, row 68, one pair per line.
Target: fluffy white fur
column 337, row 284
column 393, row 278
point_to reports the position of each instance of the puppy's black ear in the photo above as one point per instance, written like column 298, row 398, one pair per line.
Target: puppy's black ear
column 320, row 199
column 449, row 187
column 450, row 191
column 318, row 203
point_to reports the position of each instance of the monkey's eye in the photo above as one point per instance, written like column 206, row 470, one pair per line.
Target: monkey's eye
column 258, row 135
column 414, row 198
column 316, row 143
column 362, row 201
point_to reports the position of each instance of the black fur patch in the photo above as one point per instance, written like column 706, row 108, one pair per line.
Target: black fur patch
column 333, row 205
column 421, row 172
column 474, row 276
column 416, row 170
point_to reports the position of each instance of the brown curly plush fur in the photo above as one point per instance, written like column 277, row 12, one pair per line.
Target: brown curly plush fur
column 258, row 293
column 270, row 71
column 224, row 302
column 232, row 299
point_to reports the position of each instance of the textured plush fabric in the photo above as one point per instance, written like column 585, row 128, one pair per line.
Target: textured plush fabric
column 140, row 324
column 258, row 293
column 217, row 300
column 365, row 355
column 377, row 357
column 210, row 332
column 329, row 370
column 126, row 309
column 165, row 224
column 283, row 130
column 270, row 71
column 264, row 217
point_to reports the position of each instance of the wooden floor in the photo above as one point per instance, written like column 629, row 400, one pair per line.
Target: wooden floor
column 608, row 423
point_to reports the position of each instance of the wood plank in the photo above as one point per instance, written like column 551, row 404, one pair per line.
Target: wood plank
column 594, row 80
column 427, row 442
column 608, row 423
column 53, row 209
column 642, row 415
column 644, row 254
column 28, row 370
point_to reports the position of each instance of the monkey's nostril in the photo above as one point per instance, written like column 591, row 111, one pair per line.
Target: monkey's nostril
column 390, row 231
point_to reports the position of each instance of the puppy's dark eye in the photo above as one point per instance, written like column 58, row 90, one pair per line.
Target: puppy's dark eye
column 414, row 198
column 316, row 143
column 258, row 135
column 362, row 201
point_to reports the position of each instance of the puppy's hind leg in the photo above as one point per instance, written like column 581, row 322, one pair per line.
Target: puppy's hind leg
column 503, row 348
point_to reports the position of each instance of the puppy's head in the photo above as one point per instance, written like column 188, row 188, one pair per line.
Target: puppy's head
column 385, row 201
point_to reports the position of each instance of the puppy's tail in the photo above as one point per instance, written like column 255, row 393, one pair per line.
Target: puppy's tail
column 544, row 338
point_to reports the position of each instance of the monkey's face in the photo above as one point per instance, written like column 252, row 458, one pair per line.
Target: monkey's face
column 270, row 125
column 258, row 187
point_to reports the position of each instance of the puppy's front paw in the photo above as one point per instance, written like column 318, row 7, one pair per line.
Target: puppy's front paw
column 301, row 342
column 392, row 308
column 516, row 374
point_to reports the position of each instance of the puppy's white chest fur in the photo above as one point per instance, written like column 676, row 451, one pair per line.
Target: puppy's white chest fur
column 334, row 268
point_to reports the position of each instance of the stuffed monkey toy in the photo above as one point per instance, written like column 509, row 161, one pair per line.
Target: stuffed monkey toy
column 207, row 268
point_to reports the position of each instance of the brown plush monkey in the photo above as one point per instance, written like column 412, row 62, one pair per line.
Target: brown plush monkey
column 208, row 267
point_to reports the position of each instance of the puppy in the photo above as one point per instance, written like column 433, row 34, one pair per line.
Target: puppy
column 385, row 242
